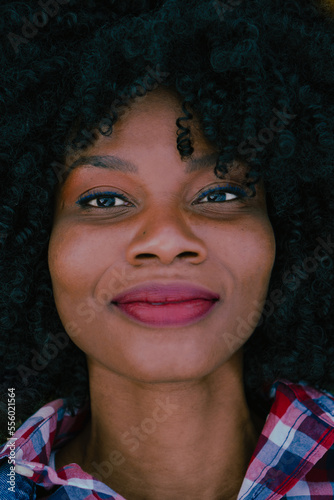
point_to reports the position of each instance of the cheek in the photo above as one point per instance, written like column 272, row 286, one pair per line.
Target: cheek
column 244, row 254
column 69, row 253
column 76, row 262
column 251, row 258
column 256, row 253
column 77, row 257
column 246, row 249
column 256, row 259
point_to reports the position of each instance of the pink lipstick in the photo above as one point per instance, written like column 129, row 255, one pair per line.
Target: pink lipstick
column 166, row 305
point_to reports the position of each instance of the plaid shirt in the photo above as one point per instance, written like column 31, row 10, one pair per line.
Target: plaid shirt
column 293, row 459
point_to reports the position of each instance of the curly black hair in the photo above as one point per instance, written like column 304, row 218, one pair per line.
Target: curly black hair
column 259, row 74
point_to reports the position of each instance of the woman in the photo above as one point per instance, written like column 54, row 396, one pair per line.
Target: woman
column 167, row 252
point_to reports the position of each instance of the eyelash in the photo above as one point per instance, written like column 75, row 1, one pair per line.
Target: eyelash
column 83, row 201
column 240, row 193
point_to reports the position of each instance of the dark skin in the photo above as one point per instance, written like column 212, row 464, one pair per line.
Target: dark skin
column 165, row 232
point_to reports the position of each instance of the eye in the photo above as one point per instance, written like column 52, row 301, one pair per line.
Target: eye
column 221, row 193
column 103, row 200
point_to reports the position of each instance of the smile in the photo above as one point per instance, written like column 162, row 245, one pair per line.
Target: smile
column 179, row 313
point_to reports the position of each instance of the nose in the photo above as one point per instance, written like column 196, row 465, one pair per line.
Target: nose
column 165, row 239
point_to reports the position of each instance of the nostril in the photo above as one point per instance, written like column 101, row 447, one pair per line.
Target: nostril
column 145, row 255
column 188, row 254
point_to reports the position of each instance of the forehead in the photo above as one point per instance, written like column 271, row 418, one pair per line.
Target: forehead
column 147, row 131
column 154, row 116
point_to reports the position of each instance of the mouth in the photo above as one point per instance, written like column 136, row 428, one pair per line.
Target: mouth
column 171, row 305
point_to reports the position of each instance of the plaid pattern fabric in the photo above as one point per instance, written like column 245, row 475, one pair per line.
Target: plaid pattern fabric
column 293, row 459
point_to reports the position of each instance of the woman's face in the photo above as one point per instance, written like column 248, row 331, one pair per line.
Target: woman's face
column 161, row 228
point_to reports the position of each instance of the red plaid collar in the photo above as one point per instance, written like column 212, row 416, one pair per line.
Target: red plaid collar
column 293, row 458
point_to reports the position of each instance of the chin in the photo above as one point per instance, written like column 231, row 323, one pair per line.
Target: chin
column 162, row 370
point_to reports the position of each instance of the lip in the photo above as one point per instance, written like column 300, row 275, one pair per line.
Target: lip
column 166, row 305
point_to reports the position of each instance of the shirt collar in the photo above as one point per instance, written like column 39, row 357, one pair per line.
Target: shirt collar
column 49, row 428
column 298, row 431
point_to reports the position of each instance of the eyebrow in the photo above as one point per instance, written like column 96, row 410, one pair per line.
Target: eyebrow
column 111, row 162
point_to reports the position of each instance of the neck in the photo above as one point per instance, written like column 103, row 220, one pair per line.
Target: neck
column 164, row 441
